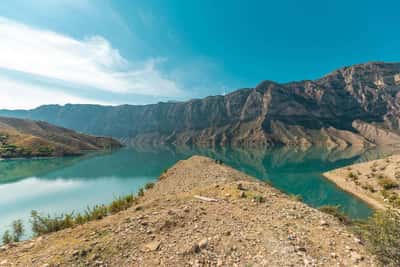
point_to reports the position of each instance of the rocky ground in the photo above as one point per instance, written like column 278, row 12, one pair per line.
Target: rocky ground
column 376, row 182
column 200, row 213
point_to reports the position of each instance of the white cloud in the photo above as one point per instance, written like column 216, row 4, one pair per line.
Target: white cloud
column 91, row 62
column 22, row 95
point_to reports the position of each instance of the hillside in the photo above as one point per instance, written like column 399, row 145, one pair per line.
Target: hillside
column 200, row 213
column 352, row 106
column 377, row 182
column 26, row 138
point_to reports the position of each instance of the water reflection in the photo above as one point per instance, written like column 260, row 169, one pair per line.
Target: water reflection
column 65, row 184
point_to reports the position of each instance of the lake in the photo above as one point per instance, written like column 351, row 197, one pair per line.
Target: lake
column 61, row 185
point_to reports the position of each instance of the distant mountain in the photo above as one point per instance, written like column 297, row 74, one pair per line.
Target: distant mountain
column 352, row 106
column 26, row 138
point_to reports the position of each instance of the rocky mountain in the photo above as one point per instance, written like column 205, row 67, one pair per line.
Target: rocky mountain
column 26, row 138
column 352, row 106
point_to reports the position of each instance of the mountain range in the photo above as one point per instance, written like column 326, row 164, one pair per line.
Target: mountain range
column 357, row 105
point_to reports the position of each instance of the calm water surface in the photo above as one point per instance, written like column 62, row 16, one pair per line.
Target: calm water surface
column 60, row 185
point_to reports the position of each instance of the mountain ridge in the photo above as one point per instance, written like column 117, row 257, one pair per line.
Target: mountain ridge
column 322, row 112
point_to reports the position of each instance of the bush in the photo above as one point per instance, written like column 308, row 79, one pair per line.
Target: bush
column 46, row 224
column 121, row 203
column 18, row 230
column 149, row 186
column 336, row 212
column 382, row 235
column 7, row 238
column 259, row 199
column 141, row 192
column 296, row 197
column 388, row 183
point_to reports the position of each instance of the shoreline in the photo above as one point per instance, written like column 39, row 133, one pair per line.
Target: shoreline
column 341, row 183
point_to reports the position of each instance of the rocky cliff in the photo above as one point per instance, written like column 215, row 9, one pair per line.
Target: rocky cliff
column 352, row 106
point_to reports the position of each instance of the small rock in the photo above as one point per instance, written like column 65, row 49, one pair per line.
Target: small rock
column 242, row 194
column 203, row 243
column 240, row 186
column 334, row 255
column 356, row 257
column 357, row 240
column 152, row 246
column 323, row 223
column 4, row 262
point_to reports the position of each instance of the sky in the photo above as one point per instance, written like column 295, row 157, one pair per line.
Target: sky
column 113, row 52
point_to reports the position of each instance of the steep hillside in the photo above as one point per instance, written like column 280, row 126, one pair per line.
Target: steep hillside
column 352, row 106
column 26, row 138
column 200, row 213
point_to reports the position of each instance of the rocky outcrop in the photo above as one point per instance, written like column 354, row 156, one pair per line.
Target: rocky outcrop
column 328, row 111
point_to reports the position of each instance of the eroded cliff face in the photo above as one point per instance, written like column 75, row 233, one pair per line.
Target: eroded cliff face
column 352, row 106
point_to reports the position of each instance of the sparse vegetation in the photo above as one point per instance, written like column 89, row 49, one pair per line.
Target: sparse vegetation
column 141, row 192
column 44, row 224
column 388, row 183
column 17, row 233
column 7, row 238
column 336, row 212
column 382, row 235
column 149, row 186
column 296, row 197
column 18, row 230
column 259, row 199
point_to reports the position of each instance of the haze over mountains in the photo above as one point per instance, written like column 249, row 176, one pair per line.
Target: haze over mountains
column 352, row 106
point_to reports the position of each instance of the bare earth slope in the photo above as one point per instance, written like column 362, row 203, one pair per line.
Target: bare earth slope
column 376, row 182
column 26, row 138
column 170, row 226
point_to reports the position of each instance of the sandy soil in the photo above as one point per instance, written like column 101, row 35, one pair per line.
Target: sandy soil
column 368, row 181
column 201, row 213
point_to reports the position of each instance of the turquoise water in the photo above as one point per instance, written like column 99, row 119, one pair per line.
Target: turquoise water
column 62, row 185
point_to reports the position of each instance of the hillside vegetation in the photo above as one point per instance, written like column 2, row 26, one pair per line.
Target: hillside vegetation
column 26, row 138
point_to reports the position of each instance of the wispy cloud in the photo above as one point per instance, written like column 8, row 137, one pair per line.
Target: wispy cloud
column 24, row 95
column 89, row 63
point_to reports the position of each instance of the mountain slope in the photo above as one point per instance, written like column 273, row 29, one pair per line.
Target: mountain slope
column 26, row 138
column 349, row 106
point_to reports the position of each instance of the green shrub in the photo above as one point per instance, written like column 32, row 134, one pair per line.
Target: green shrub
column 18, row 230
column 149, row 186
column 141, row 192
column 388, row 183
column 45, row 151
column 352, row 176
column 382, row 235
column 7, row 238
column 296, row 197
column 259, row 199
column 46, row 224
column 336, row 212
column 121, row 203
column 97, row 212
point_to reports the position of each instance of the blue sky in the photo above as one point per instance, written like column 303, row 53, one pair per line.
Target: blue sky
column 138, row 52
